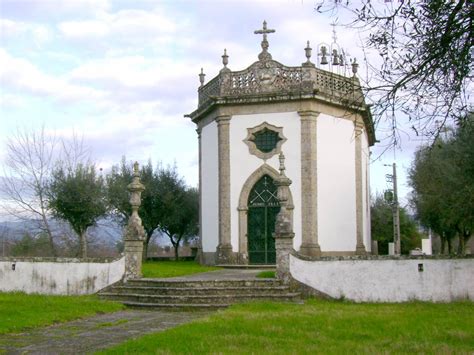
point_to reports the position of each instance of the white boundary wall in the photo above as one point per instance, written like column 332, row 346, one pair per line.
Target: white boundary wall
column 59, row 277
column 389, row 280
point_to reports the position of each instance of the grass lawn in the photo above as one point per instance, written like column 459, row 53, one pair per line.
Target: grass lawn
column 266, row 274
column 173, row 268
column 319, row 327
column 19, row 311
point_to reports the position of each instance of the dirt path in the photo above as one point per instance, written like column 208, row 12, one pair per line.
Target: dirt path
column 91, row 334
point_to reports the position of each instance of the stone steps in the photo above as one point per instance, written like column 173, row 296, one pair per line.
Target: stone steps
column 194, row 294
column 197, row 291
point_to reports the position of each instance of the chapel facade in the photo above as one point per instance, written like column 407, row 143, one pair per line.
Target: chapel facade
column 318, row 120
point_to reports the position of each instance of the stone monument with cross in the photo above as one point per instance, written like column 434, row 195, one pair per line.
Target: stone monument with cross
column 245, row 119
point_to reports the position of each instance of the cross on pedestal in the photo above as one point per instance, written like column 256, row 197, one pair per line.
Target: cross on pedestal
column 264, row 44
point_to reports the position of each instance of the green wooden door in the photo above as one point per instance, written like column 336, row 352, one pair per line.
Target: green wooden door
column 263, row 206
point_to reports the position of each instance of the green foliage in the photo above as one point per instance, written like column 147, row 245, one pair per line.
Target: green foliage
column 180, row 207
column 77, row 195
column 442, row 178
column 168, row 205
column 318, row 327
column 30, row 245
column 163, row 269
column 21, row 311
column 266, row 275
column 382, row 227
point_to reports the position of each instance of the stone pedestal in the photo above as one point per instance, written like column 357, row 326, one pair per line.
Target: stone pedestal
column 133, row 258
column 283, row 227
column 284, row 247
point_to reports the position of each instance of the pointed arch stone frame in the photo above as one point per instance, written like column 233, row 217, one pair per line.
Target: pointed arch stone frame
column 264, row 169
column 249, row 140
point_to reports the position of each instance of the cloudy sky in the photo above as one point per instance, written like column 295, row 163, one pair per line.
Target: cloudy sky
column 124, row 73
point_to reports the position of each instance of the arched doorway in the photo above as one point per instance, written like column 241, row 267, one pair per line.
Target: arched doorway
column 263, row 206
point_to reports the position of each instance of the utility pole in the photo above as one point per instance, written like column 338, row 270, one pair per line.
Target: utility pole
column 395, row 209
column 396, row 213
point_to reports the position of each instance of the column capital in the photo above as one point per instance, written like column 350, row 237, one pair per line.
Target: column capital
column 223, row 120
column 308, row 114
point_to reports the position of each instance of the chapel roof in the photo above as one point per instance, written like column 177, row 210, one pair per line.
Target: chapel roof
column 267, row 80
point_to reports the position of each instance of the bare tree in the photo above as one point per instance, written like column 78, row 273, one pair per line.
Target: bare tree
column 28, row 162
column 424, row 65
column 30, row 157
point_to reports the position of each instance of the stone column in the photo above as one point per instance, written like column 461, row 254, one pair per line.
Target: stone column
column 309, row 184
column 199, row 253
column 283, row 227
column 134, row 232
column 360, row 248
column 224, row 253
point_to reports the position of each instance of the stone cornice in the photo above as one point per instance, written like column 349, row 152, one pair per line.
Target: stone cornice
column 270, row 98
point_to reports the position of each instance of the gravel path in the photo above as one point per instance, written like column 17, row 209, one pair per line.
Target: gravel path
column 91, row 334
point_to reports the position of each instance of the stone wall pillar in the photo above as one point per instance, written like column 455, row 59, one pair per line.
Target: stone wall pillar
column 309, row 184
column 134, row 232
column 283, row 227
column 360, row 247
column 224, row 253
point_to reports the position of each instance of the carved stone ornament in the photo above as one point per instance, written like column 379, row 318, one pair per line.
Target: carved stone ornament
column 250, row 140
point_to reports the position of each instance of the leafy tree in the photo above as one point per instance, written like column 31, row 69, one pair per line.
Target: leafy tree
column 118, row 197
column 168, row 205
column 426, row 62
column 442, row 178
column 77, row 195
column 382, row 227
column 180, row 208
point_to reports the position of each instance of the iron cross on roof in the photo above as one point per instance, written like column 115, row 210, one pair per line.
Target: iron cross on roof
column 264, row 31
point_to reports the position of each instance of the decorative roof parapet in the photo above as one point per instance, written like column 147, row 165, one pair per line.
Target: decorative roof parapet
column 268, row 80
column 272, row 77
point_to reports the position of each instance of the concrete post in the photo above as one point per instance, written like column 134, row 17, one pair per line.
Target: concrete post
column 134, row 232
column 283, row 227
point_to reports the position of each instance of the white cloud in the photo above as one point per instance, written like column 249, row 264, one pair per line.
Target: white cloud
column 18, row 74
column 125, row 24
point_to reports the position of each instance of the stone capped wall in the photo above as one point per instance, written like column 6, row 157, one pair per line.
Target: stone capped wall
column 59, row 276
column 388, row 280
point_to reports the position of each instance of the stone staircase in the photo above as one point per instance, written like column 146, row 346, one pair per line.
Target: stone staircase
column 196, row 294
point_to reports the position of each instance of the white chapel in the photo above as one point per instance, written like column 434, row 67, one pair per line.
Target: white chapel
column 318, row 120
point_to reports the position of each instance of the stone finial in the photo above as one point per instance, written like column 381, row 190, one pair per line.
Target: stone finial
column 283, row 226
column 225, row 58
column 264, row 55
column 134, row 232
column 355, row 66
column 201, row 77
column 281, row 158
column 307, row 52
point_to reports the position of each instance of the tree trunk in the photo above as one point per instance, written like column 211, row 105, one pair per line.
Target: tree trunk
column 83, row 245
column 45, row 222
column 450, row 249
column 461, row 244
column 443, row 244
column 176, row 251
column 145, row 248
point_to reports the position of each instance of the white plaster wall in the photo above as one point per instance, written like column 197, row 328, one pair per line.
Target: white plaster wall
column 65, row 277
column 366, row 192
column 209, row 188
column 442, row 280
column 243, row 164
column 336, row 184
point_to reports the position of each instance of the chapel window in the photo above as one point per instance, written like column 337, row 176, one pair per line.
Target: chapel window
column 265, row 140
